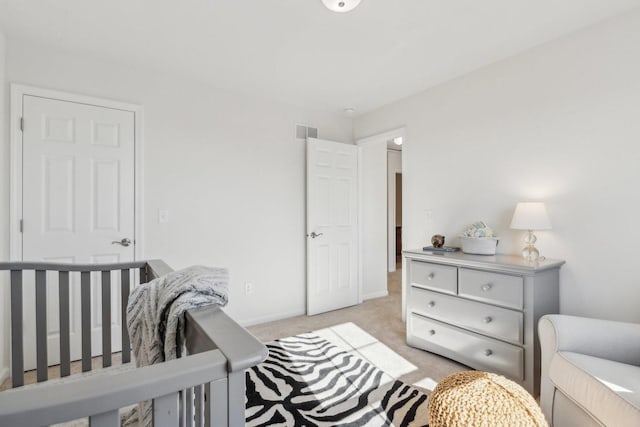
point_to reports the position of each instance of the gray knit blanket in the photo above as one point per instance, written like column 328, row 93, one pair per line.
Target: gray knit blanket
column 155, row 319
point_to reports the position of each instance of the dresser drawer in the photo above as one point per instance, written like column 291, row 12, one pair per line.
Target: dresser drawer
column 497, row 322
column 495, row 288
column 474, row 350
column 443, row 278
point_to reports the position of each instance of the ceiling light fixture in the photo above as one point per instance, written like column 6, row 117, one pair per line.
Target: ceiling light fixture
column 341, row 5
column 349, row 110
column 397, row 140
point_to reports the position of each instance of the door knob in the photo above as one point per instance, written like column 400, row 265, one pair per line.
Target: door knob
column 124, row 242
column 314, row 234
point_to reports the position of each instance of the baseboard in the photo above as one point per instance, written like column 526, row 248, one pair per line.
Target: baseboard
column 279, row 316
column 373, row 295
column 271, row 318
column 4, row 374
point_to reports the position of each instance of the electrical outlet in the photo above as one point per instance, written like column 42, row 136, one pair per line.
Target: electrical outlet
column 428, row 213
column 163, row 216
column 248, row 288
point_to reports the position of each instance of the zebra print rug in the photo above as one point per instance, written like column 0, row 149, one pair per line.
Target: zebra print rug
column 308, row 381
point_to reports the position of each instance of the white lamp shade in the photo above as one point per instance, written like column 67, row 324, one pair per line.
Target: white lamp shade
column 530, row 216
column 341, row 5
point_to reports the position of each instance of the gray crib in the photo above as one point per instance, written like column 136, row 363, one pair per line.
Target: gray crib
column 204, row 388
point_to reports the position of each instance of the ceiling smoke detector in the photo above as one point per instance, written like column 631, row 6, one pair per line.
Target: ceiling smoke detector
column 341, row 5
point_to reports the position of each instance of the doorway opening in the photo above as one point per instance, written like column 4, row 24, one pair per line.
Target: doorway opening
column 379, row 159
column 394, row 215
column 377, row 255
column 398, row 184
column 394, row 204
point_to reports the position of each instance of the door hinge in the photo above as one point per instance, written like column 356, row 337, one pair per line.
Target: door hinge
column 22, row 124
column 21, row 225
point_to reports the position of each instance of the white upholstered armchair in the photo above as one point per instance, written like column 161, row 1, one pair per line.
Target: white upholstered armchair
column 590, row 372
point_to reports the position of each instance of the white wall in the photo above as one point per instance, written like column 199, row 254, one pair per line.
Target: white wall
column 394, row 166
column 227, row 168
column 372, row 170
column 559, row 123
column 4, row 213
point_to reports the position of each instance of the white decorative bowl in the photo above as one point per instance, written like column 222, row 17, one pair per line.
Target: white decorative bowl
column 479, row 245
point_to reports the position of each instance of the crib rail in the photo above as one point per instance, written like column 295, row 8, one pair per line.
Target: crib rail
column 204, row 389
column 64, row 270
column 100, row 397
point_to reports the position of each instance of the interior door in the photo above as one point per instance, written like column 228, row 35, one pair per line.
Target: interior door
column 332, row 226
column 78, row 198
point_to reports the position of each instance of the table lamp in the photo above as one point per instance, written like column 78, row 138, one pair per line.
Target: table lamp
column 530, row 216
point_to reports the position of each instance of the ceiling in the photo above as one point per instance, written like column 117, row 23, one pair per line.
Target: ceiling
column 298, row 52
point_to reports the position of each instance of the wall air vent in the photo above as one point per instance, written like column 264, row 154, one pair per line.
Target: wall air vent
column 303, row 132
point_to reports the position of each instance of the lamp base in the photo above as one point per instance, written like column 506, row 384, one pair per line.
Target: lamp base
column 530, row 253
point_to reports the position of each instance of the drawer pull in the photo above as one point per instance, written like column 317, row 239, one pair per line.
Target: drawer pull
column 487, row 287
column 431, row 304
column 432, row 332
column 488, row 352
column 431, row 276
column 487, row 319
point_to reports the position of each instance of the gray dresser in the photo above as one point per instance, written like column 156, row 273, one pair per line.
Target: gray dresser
column 480, row 310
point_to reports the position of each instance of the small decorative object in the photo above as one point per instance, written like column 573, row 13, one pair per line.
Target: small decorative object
column 478, row 229
column 530, row 216
column 443, row 249
column 475, row 398
column 437, row 241
column 479, row 239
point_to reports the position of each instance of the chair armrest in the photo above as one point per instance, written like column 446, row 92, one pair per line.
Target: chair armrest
column 606, row 339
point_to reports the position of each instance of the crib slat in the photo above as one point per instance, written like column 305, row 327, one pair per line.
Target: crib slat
column 17, row 355
column 181, row 405
column 189, row 407
column 85, row 314
column 206, row 410
column 106, row 318
column 124, row 299
column 236, row 393
column 106, row 419
column 65, row 346
column 198, row 392
column 217, row 404
column 165, row 410
column 143, row 275
column 41, row 324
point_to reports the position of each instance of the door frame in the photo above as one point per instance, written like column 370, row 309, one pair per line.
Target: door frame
column 18, row 91
column 384, row 136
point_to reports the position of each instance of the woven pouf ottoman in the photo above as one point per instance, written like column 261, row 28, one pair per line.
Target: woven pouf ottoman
column 479, row 399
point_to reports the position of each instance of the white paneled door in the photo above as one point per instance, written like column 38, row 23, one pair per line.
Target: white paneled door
column 332, row 226
column 77, row 200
